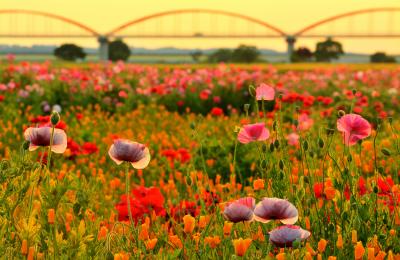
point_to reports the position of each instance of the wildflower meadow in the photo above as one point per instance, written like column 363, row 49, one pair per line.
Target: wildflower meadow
column 124, row 161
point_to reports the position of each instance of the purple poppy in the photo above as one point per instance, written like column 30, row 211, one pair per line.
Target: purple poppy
column 284, row 236
column 276, row 209
column 240, row 210
column 40, row 137
column 127, row 151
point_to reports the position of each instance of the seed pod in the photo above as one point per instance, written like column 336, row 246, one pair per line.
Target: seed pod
column 54, row 118
column 192, row 125
column 246, row 107
column 276, row 143
column 341, row 113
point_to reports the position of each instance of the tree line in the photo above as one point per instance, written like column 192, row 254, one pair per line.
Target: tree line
column 325, row 51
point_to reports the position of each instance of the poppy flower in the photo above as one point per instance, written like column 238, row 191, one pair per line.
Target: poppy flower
column 265, row 92
column 276, row 209
column 354, row 128
column 253, row 132
column 127, row 151
column 240, row 210
column 40, row 137
column 284, row 236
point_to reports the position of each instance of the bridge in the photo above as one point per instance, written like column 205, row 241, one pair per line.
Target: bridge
column 201, row 24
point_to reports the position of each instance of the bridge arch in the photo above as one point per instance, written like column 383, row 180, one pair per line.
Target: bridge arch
column 275, row 29
column 63, row 19
column 343, row 15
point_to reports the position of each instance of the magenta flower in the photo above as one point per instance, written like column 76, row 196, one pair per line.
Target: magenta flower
column 240, row 210
column 127, row 151
column 354, row 128
column 40, row 137
column 284, row 236
column 265, row 92
column 275, row 209
column 253, row 132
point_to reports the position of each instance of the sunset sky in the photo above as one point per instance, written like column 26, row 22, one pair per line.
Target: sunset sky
column 288, row 15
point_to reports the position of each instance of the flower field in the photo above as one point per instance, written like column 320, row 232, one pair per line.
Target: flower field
column 123, row 161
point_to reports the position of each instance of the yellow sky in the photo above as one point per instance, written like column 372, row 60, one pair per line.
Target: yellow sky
column 288, row 15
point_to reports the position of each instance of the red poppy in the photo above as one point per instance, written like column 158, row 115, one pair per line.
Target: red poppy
column 89, row 148
column 216, row 111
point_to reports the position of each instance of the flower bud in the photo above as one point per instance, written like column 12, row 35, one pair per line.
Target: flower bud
column 341, row 113
column 25, row 145
column 321, row 143
column 305, row 145
column 54, row 118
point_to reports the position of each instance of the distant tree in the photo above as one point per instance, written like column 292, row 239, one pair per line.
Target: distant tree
column 246, row 54
column 381, row 57
column 221, row 55
column 328, row 50
column 118, row 50
column 70, row 52
column 302, row 54
column 196, row 55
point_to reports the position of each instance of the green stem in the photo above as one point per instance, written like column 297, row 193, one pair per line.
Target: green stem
column 127, row 184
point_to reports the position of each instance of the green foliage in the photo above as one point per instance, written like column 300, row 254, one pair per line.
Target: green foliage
column 382, row 57
column 245, row 54
column 118, row 50
column 302, row 54
column 69, row 52
column 328, row 50
column 221, row 55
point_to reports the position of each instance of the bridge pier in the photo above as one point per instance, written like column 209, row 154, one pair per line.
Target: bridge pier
column 103, row 48
column 290, row 40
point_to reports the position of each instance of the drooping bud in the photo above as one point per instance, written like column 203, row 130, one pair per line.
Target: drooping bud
column 305, row 145
column 386, row 151
column 246, row 107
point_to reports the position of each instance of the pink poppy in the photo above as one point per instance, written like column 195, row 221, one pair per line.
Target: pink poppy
column 240, row 210
column 265, row 92
column 284, row 236
column 127, row 151
column 276, row 209
column 253, row 132
column 305, row 122
column 354, row 128
column 40, row 137
column 293, row 139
